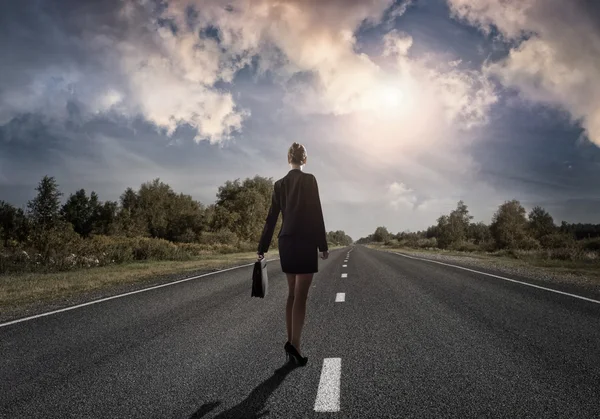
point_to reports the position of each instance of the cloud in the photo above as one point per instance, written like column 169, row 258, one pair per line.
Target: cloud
column 555, row 53
column 399, row 194
column 296, row 36
column 172, row 64
column 119, row 60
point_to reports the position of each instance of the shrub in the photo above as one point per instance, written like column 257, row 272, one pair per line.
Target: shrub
column 556, row 241
column 464, row 246
column 157, row 249
column 223, row 237
column 565, row 254
column 528, row 243
column 591, row 245
column 188, row 236
column 488, row 246
column 427, row 243
column 110, row 249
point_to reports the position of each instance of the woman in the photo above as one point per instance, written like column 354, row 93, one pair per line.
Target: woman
column 302, row 233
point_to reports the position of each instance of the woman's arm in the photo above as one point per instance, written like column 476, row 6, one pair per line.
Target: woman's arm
column 271, row 221
column 321, row 234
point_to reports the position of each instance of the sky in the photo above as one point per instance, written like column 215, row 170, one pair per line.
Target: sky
column 405, row 107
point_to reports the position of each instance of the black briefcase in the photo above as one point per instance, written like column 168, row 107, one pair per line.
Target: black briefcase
column 260, row 279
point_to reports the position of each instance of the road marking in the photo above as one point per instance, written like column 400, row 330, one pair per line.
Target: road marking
column 346, row 261
column 328, row 393
column 501, row 277
column 124, row 295
column 340, row 297
column 344, row 275
column 344, row 266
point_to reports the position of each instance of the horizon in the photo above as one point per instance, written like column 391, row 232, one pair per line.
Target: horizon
column 405, row 107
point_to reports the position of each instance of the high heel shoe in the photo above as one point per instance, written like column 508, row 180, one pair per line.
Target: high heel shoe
column 294, row 355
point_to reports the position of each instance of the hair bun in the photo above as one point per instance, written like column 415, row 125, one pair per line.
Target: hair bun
column 297, row 154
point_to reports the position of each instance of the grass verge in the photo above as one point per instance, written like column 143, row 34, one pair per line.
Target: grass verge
column 23, row 294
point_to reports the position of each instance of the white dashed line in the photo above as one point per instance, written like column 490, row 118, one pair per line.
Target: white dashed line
column 346, row 261
column 344, row 266
column 340, row 297
column 328, row 394
column 344, row 275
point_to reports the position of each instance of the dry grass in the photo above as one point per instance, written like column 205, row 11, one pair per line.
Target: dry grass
column 19, row 290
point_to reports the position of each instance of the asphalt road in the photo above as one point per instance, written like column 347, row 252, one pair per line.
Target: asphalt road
column 413, row 339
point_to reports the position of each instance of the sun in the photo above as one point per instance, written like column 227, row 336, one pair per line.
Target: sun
column 386, row 99
column 390, row 97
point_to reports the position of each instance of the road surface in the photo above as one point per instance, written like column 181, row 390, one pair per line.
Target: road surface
column 386, row 336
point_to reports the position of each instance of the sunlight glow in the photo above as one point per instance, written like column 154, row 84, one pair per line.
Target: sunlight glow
column 387, row 100
column 390, row 97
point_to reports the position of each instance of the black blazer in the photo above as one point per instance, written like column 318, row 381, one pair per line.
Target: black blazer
column 297, row 197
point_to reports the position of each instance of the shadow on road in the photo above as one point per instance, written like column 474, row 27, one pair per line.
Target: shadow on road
column 252, row 405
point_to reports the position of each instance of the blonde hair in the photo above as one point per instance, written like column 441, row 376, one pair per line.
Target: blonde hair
column 297, row 154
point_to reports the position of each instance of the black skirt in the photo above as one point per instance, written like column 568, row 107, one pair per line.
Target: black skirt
column 298, row 255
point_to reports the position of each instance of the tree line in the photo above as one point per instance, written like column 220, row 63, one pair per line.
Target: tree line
column 152, row 222
column 511, row 229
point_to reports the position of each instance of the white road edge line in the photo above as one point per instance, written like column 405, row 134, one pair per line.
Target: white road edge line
column 340, row 297
column 328, row 393
column 501, row 277
column 344, row 275
column 125, row 294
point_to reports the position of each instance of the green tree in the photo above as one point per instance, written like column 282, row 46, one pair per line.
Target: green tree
column 509, row 225
column 453, row 229
column 105, row 218
column 339, row 238
column 444, row 232
column 153, row 205
column 381, row 235
column 242, row 207
column 156, row 210
column 44, row 208
column 541, row 223
column 13, row 223
column 130, row 221
column 185, row 219
column 129, row 200
column 479, row 233
column 79, row 210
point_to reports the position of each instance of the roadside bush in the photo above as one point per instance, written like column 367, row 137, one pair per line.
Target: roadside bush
column 488, row 246
column 222, row 237
column 591, row 245
column 557, row 241
column 158, row 249
column 528, row 243
column 251, row 247
column 464, row 246
column 110, row 249
column 427, row 243
column 188, row 236
column 566, row 253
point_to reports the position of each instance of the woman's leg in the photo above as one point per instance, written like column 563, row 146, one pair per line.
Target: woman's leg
column 291, row 278
column 303, row 282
